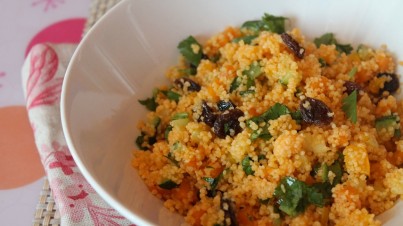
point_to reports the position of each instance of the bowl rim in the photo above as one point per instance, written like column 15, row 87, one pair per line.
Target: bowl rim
column 105, row 195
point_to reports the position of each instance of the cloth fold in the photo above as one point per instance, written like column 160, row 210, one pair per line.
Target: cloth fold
column 42, row 75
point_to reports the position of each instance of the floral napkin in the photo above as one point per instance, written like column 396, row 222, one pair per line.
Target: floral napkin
column 78, row 203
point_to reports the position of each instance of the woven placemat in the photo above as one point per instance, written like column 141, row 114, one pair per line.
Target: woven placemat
column 46, row 210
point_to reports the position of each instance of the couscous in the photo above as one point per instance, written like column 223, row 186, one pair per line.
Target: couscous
column 263, row 127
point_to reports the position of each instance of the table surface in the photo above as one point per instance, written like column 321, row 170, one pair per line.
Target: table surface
column 23, row 24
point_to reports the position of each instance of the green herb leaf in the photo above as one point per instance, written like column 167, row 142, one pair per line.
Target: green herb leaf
column 290, row 195
column 246, row 92
column 246, row 39
column 264, row 134
column 275, row 112
column 261, row 157
column 254, row 26
column 294, row 196
column 323, row 62
column 275, row 24
column 168, row 185
column 171, row 158
column 172, row 95
column 167, row 130
column 235, row 84
column 149, row 103
column 352, row 72
column 226, row 128
column 254, row 71
column 296, row 115
column 325, row 39
column 185, row 48
column 329, row 39
column 209, row 180
column 215, row 58
column 264, row 201
column 247, row 168
column 347, row 48
column 213, row 184
column 337, row 169
column 176, row 145
column 323, row 169
column 314, row 196
column 180, row 115
column 387, row 122
column 140, row 141
column 156, row 122
column 188, row 71
column 397, row 133
column 350, row 106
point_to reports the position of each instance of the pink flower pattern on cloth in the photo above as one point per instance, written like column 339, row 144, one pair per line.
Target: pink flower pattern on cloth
column 42, row 75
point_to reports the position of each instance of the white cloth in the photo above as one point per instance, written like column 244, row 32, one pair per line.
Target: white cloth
column 42, row 74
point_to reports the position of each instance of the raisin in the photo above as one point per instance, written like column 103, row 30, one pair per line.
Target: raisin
column 207, row 116
column 227, row 122
column 293, row 45
column 193, row 86
column 225, row 105
column 351, row 87
column 314, row 111
column 391, row 85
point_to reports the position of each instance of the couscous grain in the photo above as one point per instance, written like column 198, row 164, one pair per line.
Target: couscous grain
column 263, row 127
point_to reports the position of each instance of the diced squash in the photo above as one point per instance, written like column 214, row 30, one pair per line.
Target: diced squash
column 356, row 159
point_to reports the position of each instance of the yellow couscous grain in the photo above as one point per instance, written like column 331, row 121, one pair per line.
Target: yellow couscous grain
column 264, row 127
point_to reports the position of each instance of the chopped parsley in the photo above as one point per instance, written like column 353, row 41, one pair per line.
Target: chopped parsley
column 275, row 24
column 180, row 115
column 167, row 131
column 246, row 39
column 325, row 187
column 274, row 112
column 171, row 158
column 191, row 50
column 246, row 166
column 171, row 95
column 254, row 71
column 168, row 185
column 329, row 39
column 296, row 115
column 213, row 182
column 140, row 141
column 350, row 106
column 323, row 62
column 294, row 196
column 386, row 122
column 352, row 73
column 235, row 84
column 143, row 137
column 150, row 103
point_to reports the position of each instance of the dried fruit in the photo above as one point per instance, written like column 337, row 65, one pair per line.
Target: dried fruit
column 188, row 83
column 351, row 86
column 293, row 45
column 391, row 84
column 225, row 105
column 314, row 111
column 228, row 124
column 207, row 116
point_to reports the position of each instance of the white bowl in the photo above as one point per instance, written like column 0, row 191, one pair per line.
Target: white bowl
column 127, row 52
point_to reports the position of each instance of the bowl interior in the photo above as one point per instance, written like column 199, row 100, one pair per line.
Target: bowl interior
column 126, row 54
